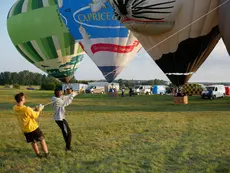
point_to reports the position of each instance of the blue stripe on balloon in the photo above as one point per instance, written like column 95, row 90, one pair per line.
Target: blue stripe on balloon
column 110, row 72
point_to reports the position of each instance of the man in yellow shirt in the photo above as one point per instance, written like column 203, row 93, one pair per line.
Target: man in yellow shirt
column 26, row 117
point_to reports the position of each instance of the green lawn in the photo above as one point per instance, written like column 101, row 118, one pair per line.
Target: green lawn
column 143, row 134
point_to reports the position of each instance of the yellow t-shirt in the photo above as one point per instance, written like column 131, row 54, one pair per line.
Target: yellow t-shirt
column 26, row 118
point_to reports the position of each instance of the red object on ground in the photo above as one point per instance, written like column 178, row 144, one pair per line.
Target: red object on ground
column 227, row 90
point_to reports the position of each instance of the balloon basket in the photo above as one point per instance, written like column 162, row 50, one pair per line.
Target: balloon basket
column 180, row 100
column 111, row 94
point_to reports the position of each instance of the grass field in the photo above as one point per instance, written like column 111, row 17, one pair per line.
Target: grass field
column 144, row 134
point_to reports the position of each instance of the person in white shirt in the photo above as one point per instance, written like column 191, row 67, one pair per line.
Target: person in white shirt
column 59, row 104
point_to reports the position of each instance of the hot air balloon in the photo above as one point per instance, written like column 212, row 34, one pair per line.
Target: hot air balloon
column 224, row 22
column 108, row 43
column 39, row 34
column 178, row 34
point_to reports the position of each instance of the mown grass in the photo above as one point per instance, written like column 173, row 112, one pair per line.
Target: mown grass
column 142, row 134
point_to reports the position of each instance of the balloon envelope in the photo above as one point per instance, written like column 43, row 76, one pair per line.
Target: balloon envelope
column 178, row 35
column 224, row 19
column 39, row 34
column 108, row 43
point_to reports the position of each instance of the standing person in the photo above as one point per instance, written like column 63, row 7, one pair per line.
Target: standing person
column 113, row 92
column 123, row 92
column 59, row 104
column 26, row 117
column 131, row 92
column 69, row 91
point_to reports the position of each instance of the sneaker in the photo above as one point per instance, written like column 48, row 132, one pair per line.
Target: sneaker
column 46, row 155
column 39, row 155
column 68, row 149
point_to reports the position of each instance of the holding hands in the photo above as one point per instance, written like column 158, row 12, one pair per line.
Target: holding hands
column 39, row 108
column 74, row 94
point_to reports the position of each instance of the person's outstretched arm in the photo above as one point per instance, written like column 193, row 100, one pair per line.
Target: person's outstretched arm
column 33, row 114
column 59, row 102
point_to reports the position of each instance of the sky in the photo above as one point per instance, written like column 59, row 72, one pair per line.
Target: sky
column 142, row 67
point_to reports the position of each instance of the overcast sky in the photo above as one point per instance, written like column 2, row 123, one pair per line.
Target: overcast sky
column 215, row 69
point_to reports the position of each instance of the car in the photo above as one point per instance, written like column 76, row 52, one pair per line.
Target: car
column 95, row 90
column 143, row 89
column 213, row 92
column 30, row 88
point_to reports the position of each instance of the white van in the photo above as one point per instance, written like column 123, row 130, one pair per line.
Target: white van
column 143, row 89
column 95, row 89
column 213, row 91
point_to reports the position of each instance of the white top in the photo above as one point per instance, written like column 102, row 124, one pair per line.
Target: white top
column 59, row 104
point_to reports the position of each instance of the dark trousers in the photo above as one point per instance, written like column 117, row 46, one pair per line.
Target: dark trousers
column 66, row 131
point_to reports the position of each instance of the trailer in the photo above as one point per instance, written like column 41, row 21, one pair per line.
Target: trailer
column 107, row 85
column 74, row 86
column 193, row 89
column 142, row 89
column 159, row 89
column 227, row 90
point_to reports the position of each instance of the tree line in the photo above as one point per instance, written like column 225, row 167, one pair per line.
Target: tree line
column 27, row 78
column 132, row 83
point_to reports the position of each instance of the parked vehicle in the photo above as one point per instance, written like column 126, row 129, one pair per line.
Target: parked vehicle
column 30, row 88
column 227, row 90
column 95, row 89
column 107, row 85
column 74, row 86
column 213, row 91
column 159, row 89
column 143, row 89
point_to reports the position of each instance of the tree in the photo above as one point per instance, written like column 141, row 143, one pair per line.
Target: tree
column 23, row 77
column 48, row 86
column 16, row 86
column 128, row 84
column 2, row 79
column 121, row 83
column 30, row 78
column 7, row 77
column 83, row 82
column 150, row 82
column 50, row 83
column 14, row 77
column 73, row 80
column 37, row 80
column 171, row 85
